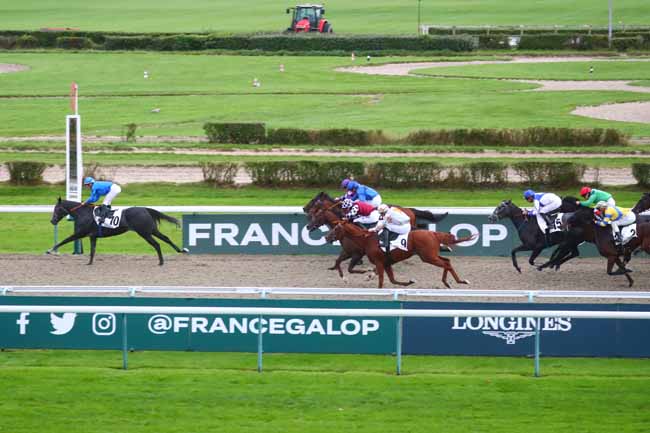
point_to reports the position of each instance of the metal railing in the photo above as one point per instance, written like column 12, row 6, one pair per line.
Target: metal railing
column 328, row 312
column 265, row 292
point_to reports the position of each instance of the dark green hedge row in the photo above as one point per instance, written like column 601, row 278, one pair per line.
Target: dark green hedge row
column 271, row 42
column 540, row 136
column 641, row 172
column 565, row 42
column 518, row 30
column 397, row 174
column 26, row 172
column 245, row 133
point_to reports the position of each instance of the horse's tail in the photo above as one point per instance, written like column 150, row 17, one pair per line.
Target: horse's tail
column 449, row 239
column 427, row 215
column 157, row 216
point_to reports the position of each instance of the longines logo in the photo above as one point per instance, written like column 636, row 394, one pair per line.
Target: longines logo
column 510, row 329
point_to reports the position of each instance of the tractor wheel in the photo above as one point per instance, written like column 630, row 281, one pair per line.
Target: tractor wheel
column 327, row 28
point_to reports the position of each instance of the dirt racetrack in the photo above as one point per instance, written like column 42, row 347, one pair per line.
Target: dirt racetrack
column 304, row 271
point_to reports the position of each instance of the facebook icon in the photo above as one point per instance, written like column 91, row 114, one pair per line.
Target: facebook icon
column 22, row 323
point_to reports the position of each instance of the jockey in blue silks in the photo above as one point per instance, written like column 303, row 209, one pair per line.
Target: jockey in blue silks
column 545, row 203
column 100, row 188
column 357, row 191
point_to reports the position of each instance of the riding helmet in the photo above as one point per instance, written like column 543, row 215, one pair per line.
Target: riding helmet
column 345, row 182
column 585, row 191
column 89, row 181
column 529, row 193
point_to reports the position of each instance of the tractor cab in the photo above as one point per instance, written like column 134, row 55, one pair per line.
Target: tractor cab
column 308, row 18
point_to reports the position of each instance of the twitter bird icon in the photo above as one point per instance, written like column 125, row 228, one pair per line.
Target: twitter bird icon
column 62, row 325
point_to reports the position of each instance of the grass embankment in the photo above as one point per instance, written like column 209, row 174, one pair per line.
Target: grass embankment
column 362, row 16
column 191, row 89
column 33, row 233
column 178, row 392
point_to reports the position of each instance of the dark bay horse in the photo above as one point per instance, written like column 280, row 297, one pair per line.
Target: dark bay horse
column 532, row 238
column 142, row 220
column 349, row 249
column 323, row 200
column 424, row 243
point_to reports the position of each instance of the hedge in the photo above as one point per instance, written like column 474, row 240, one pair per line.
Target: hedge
column 239, row 133
column 219, row 174
column 26, row 172
column 641, row 172
column 73, row 42
column 416, row 174
column 555, row 174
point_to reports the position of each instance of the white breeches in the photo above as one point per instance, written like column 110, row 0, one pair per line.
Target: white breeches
column 399, row 228
column 611, row 202
column 376, row 201
column 628, row 219
column 115, row 190
column 370, row 219
column 550, row 207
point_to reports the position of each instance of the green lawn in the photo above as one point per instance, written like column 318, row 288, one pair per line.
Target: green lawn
column 179, row 392
column 603, row 70
column 32, row 233
column 361, row 16
column 190, row 90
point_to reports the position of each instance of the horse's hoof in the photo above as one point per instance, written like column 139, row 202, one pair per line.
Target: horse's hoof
column 539, row 268
column 628, row 271
column 518, row 270
column 446, row 285
column 185, row 251
column 464, row 282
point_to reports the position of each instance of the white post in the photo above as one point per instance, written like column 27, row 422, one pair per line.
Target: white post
column 609, row 26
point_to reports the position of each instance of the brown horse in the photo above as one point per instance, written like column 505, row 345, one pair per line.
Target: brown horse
column 424, row 243
column 349, row 249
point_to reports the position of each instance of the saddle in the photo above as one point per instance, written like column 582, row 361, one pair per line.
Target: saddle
column 107, row 217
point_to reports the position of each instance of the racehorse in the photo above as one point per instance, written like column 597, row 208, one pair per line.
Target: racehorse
column 349, row 249
column 532, row 238
column 142, row 220
column 643, row 204
column 323, row 200
column 424, row 243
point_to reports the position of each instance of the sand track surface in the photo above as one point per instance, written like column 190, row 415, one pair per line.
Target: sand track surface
column 494, row 273
column 6, row 68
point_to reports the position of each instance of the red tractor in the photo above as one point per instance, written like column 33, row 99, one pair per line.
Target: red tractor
column 309, row 18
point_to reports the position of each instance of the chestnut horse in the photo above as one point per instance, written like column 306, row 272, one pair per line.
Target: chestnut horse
column 424, row 243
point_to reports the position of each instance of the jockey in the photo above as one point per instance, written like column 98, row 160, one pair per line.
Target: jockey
column 360, row 212
column 545, row 204
column 593, row 196
column 615, row 216
column 98, row 189
column 394, row 221
column 357, row 191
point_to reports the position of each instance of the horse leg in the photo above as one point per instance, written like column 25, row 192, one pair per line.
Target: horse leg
column 536, row 252
column 575, row 252
column 514, row 252
column 93, row 246
column 164, row 238
column 451, row 269
column 149, row 238
column 379, row 269
column 391, row 277
column 70, row 238
column 356, row 259
column 343, row 255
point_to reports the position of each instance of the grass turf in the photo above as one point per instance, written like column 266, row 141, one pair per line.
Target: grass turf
column 190, row 90
column 33, row 234
column 178, row 392
column 361, row 16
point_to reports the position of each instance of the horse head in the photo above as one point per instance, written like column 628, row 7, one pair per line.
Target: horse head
column 643, row 204
column 59, row 212
column 506, row 209
column 316, row 217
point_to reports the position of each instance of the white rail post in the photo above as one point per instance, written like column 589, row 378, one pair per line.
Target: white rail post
column 398, row 349
column 538, row 336
column 259, row 346
column 125, row 345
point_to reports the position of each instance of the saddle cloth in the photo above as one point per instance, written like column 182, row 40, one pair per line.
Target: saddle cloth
column 112, row 221
column 556, row 223
column 401, row 242
column 628, row 233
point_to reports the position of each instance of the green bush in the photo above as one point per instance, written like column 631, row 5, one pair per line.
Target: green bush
column 27, row 41
column 129, row 134
column 482, row 174
column 302, row 173
column 271, row 173
column 219, row 174
column 626, row 43
column 239, row 133
column 128, row 42
column 7, row 42
column 555, row 174
column 641, row 172
column 288, row 136
column 340, row 137
column 73, row 42
column 404, row 174
column 26, row 172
